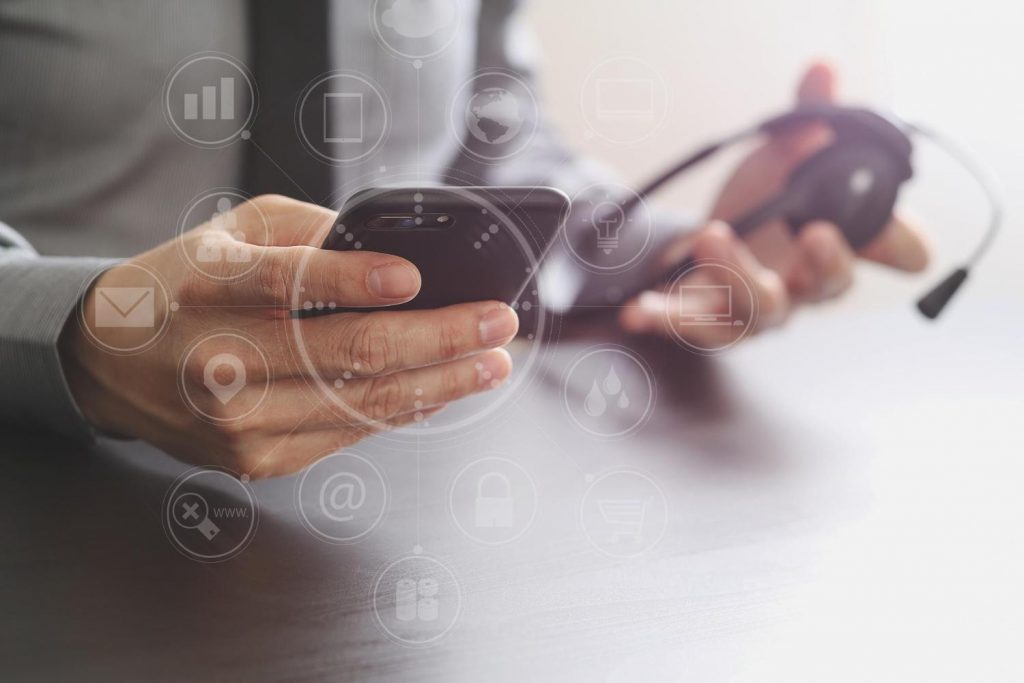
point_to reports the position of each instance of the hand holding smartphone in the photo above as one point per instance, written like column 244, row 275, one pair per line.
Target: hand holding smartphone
column 469, row 243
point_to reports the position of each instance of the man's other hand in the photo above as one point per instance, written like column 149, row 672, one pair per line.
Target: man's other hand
column 781, row 270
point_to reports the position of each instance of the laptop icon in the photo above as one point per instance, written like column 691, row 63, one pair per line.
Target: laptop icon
column 711, row 297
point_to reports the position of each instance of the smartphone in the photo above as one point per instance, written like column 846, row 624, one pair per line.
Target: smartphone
column 469, row 243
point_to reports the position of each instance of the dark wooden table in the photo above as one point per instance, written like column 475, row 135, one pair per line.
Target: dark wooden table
column 843, row 503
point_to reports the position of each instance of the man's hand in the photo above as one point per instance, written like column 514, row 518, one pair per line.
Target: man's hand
column 782, row 270
column 396, row 365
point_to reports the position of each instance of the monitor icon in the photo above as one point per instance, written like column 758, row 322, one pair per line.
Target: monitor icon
column 624, row 99
column 710, row 297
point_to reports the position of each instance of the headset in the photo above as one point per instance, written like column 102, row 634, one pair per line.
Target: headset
column 853, row 182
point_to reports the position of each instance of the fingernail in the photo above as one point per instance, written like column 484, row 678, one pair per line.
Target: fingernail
column 498, row 325
column 393, row 281
column 493, row 368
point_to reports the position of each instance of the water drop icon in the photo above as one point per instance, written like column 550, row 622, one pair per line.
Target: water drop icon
column 623, row 400
column 595, row 404
column 612, row 383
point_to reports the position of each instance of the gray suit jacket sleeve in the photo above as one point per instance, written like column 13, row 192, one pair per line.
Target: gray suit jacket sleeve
column 40, row 293
column 504, row 42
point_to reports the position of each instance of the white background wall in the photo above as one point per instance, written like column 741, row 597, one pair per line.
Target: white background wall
column 727, row 63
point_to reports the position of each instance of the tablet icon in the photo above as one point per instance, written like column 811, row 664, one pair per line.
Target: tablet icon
column 343, row 117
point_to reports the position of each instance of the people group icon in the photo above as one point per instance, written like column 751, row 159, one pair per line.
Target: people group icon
column 212, row 249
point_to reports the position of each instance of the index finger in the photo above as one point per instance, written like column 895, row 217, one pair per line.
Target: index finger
column 286, row 276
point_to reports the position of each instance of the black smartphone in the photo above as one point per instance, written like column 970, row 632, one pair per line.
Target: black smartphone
column 469, row 243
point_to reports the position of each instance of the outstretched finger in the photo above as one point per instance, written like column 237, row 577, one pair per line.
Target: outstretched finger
column 283, row 277
column 901, row 245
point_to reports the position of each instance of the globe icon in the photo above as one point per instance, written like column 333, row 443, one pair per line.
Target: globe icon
column 493, row 116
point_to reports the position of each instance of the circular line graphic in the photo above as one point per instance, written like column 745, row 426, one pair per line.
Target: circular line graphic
column 610, row 388
column 170, row 522
column 458, row 115
column 625, row 516
column 523, row 528
column 429, row 591
column 247, row 78
column 126, row 307
column 301, row 508
column 223, row 392
column 413, row 27
column 313, row 86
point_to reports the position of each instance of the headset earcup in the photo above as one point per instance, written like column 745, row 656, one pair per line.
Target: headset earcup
column 851, row 184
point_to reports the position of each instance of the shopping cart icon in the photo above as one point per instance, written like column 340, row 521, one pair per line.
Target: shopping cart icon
column 624, row 517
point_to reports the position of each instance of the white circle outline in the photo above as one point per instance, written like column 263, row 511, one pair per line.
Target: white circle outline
column 380, row 621
column 87, row 289
column 636, row 360
column 337, row 540
column 183, row 381
column 535, row 345
column 456, row 128
column 595, row 129
column 648, row 547
column 249, row 82
column 300, row 107
column 754, row 306
column 455, row 483
column 183, row 227
column 375, row 22
column 182, row 547
column 643, row 251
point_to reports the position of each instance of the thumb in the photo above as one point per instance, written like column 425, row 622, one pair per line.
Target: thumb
column 818, row 85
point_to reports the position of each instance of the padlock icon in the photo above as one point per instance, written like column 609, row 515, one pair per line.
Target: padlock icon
column 494, row 511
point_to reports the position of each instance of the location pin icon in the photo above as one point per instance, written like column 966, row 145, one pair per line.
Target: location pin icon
column 224, row 392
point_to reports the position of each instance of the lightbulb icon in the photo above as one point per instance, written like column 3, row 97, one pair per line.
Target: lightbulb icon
column 608, row 219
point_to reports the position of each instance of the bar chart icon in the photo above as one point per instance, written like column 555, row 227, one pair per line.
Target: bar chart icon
column 207, row 108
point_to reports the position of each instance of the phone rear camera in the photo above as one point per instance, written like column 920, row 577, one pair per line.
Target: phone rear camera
column 392, row 222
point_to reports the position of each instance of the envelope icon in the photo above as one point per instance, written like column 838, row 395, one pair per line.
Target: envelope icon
column 125, row 307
